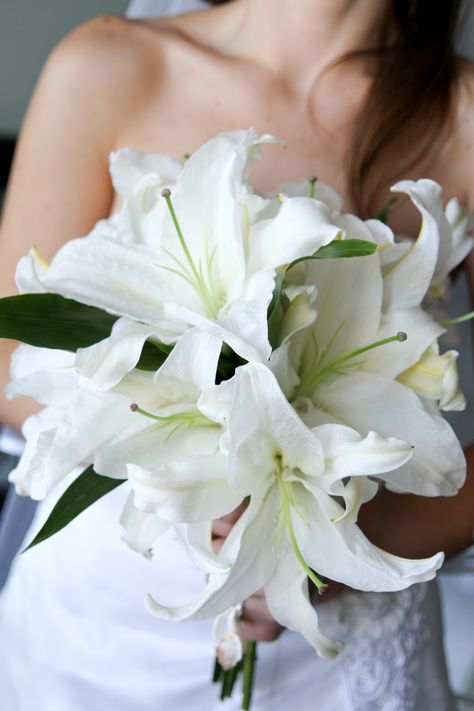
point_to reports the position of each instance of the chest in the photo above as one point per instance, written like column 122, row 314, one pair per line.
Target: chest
column 194, row 102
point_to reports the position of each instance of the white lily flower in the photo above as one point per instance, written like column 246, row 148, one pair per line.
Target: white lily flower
column 435, row 377
column 76, row 420
column 172, row 453
column 293, row 525
column 204, row 256
column 348, row 360
column 83, row 425
column 408, row 285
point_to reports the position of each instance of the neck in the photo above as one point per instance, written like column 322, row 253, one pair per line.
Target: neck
column 300, row 37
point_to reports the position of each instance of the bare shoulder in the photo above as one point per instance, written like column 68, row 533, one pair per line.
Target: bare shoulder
column 115, row 46
column 94, row 81
column 125, row 67
column 105, row 62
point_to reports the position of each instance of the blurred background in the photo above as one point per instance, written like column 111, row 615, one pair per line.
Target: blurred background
column 28, row 31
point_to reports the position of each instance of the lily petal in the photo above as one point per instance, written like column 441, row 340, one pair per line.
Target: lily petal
column 302, row 226
column 407, row 282
column 197, row 540
column 243, row 325
column 347, row 453
column 393, row 358
column 187, row 490
column 151, row 446
column 252, row 568
column 141, row 530
column 288, row 601
column 340, row 551
column 194, row 359
column 436, row 377
column 263, row 423
column 106, row 362
column 128, row 166
column 348, row 303
column 437, row 467
column 46, row 374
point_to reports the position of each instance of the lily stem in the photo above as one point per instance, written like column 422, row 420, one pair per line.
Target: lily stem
column 248, row 670
column 217, row 672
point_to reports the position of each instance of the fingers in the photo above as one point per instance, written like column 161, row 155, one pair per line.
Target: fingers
column 221, row 527
column 261, row 632
column 257, row 622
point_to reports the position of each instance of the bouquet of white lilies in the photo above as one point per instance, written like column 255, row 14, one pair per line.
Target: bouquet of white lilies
column 210, row 345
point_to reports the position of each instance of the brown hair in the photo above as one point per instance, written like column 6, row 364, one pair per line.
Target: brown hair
column 409, row 103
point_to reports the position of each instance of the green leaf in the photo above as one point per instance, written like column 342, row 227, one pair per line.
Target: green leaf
column 87, row 488
column 228, row 362
column 340, row 249
column 152, row 356
column 51, row 321
column 275, row 308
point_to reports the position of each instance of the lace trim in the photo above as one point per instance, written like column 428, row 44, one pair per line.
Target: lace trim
column 381, row 662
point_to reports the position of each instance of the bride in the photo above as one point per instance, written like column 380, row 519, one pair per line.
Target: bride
column 363, row 92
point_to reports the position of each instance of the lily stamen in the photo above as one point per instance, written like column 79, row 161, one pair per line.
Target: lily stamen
column 186, row 418
column 201, row 282
column 308, row 384
column 287, row 502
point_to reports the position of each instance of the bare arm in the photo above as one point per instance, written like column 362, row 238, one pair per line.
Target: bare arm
column 416, row 526
column 59, row 185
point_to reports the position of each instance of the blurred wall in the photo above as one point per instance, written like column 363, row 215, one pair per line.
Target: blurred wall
column 28, row 30
column 465, row 34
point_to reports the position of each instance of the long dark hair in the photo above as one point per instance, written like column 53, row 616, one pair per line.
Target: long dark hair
column 410, row 100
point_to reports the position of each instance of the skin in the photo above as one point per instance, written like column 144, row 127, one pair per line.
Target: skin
column 169, row 85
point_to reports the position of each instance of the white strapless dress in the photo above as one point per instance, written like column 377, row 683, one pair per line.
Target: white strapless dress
column 74, row 636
